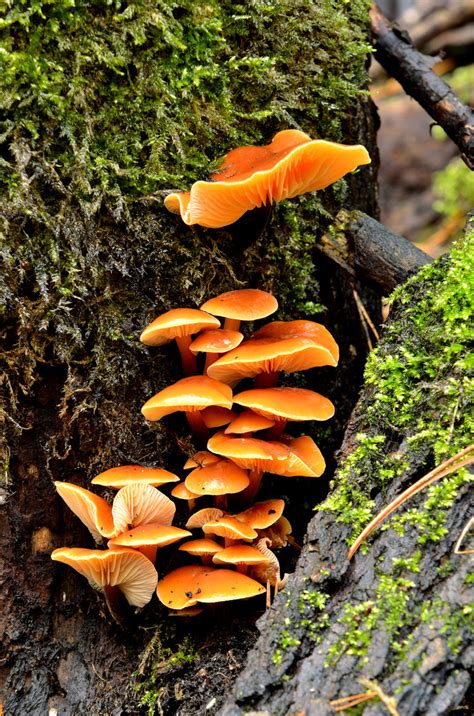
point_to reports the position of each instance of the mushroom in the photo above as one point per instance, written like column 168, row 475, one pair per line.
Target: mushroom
column 201, row 517
column 113, row 570
column 219, row 479
column 149, row 538
column 249, row 177
column 216, row 417
column 141, row 504
column 179, row 324
column 190, row 395
column 118, row 477
column 262, row 514
column 247, row 423
column 91, row 509
column 241, row 555
column 305, row 459
column 266, row 357
column 269, row 573
column 204, row 548
column 201, row 458
column 300, row 329
column 231, row 529
column 279, row 534
column 246, row 304
column 283, row 404
column 214, row 343
column 181, row 492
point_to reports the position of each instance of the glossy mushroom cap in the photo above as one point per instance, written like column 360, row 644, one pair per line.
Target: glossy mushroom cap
column 240, row 554
column 201, row 547
column 177, row 323
column 217, row 341
column 118, row 477
column 201, row 458
column 181, row 492
column 248, row 422
column 189, row 394
column 286, row 403
column 219, row 478
column 249, row 453
column 91, row 509
column 300, row 329
column 262, row 514
column 269, row 355
column 126, row 569
column 149, row 535
column 216, row 417
column 201, row 517
column 141, row 504
column 305, row 459
column 230, row 528
column 250, row 177
column 247, row 304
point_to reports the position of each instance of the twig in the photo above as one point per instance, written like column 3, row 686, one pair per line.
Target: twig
column 446, row 468
column 402, row 61
column 364, row 313
column 388, row 701
column 457, row 547
column 347, row 702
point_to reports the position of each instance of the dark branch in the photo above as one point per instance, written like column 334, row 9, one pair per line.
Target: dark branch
column 368, row 250
column 396, row 54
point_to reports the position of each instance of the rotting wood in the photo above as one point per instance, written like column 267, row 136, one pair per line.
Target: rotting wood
column 396, row 54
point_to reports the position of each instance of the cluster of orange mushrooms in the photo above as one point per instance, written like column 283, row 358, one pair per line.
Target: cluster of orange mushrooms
column 234, row 556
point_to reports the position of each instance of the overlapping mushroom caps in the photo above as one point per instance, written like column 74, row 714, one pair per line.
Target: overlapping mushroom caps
column 250, row 177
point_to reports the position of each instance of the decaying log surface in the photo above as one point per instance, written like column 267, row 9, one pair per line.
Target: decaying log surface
column 398, row 614
column 412, row 69
column 366, row 249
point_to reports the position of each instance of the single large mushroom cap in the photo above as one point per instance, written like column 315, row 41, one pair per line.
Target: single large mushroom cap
column 177, row 323
column 269, row 355
column 250, row 177
column 141, row 504
column 249, row 453
column 126, row 569
column 217, row 341
column 247, row 304
column 300, row 329
column 286, row 403
column 91, row 509
column 218, row 478
column 201, row 547
column 230, row 528
column 305, row 459
column 189, row 394
column 150, row 535
column 262, row 514
column 118, row 477
column 240, row 554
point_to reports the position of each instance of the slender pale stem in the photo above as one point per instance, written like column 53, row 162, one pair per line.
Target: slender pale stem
column 210, row 359
column 197, row 425
column 191, row 505
column 188, row 359
column 232, row 324
column 266, row 380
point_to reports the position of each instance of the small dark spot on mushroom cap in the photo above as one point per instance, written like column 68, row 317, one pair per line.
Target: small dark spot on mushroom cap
column 271, row 512
column 198, row 590
column 189, row 594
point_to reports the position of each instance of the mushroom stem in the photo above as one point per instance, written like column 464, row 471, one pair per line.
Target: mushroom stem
column 210, row 359
column 221, row 502
column 276, row 431
column 197, row 425
column 242, row 568
column 149, row 551
column 255, row 477
column 191, row 505
column 188, row 359
column 232, row 324
column 266, row 380
column 116, row 603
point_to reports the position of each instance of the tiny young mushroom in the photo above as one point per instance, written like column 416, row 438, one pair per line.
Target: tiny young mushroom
column 283, row 404
column 204, row 548
column 219, row 479
column 117, row 477
column 179, row 324
column 190, row 395
column 113, row 571
column 249, row 177
column 214, row 343
column 148, row 538
column 246, row 304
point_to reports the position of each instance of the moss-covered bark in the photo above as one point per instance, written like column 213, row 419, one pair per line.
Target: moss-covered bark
column 107, row 105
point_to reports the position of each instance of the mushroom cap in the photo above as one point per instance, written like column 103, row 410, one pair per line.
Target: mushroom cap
column 277, row 533
column 250, row 177
column 201, row 517
column 92, row 510
column 217, row 341
column 269, row 571
column 240, row 554
column 126, row 569
column 249, row 453
column 216, row 417
column 300, row 329
column 305, row 460
column 219, row 478
column 151, row 534
column 118, row 477
column 269, row 355
column 201, row 458
column 246, row 304
column 189, row 394
column 230, row 528
column 186, row 586
column 286, row 403
column 141, row 504
column 177, row 323
column 181, row 492
column 262, row 514
column 200, row 547
column 248, row 422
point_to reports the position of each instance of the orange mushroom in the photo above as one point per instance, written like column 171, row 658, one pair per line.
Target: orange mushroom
column 92, row 510
column 179, row 324
column 247, row 423
column 268, row 573
column 181, row 492
column 140, row 504
column 246, row 304
column 113, row 570
column 190, row 395
column 283, row 404
column 201, row 517
column 118, row 477
column 231, row 529
column 214, row 343
column 262, row 514
column 219, row 479
column 148, row 538
column 240, row 555
column 300, row 329
column 204, row 548
column 216, row 417
column 249, row 177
